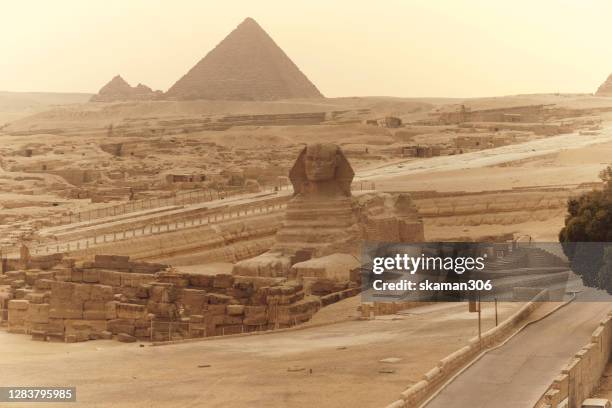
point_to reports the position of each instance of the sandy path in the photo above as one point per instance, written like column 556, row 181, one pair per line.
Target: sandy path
column 488, row 157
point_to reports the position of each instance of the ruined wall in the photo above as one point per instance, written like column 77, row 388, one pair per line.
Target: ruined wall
column 114, row 296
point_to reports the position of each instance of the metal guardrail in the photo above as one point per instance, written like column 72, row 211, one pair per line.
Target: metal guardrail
column 234, row 212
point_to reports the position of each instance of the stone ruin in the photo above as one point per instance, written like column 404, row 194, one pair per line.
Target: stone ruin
column 114, row 297
column 323, row 219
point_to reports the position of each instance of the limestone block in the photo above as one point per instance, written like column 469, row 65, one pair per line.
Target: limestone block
column 235, row 310
column 83, row 330
column 200, row 281
column 43, row 284
column 14, row 305
column 165, row 310
column 133, row 280
column 81, row 292
column 179, row 280
column 142, row 333
column 255, row 315
column 38, row 313
column 16, row 284
column 15, row 275
column 143, row 291
column 94, row 315
column 193, row 299
column 38, row 335
column 111, row 310
column 196, row 319
column 232, row 320
column 115, row 262
column 223, row 281
column 228, row 329
column 31, row 277
column 217, row 299
column 146, row 267
column 216, row 310
column 34, row 297
column 76, row 275
column 255, row 320
column 21, row 293
column 94, row 305
column 106, row 335
column 163, row 292
column 121, row 326
column 110, row 278
column 101, row 293
column 130, row 311
column 91, row 276
column 61, row 290
column 56, row 325
column 66, row 308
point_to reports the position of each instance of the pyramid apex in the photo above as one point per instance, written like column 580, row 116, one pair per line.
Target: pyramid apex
column 249, row 23
column 246, row 65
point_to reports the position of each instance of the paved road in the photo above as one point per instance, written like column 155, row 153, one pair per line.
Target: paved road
column 517, row 374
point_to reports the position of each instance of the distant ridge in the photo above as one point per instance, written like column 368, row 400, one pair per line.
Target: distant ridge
column 606, row 88
column 246, row 65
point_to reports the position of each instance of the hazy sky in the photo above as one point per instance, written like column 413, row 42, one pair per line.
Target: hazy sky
column 347, row 48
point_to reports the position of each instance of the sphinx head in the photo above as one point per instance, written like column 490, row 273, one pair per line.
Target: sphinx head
column 321, row 169
column 321, row 161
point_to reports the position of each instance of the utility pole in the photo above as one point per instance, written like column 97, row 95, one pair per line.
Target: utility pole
column 495, row 312
column 479, row 322
column 474, row 307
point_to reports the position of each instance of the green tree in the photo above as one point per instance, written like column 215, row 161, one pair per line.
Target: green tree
column 587, row 235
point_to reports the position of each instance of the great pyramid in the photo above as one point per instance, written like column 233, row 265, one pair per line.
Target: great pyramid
column 606, row 88
column 246, row 65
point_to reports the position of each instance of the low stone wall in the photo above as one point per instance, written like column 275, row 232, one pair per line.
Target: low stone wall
column 114, row 296
column 581, row 375
column 450, row 365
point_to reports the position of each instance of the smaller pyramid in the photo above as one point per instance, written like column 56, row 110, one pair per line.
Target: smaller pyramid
column 117, row 89
column 606, row 88
column 247, row 66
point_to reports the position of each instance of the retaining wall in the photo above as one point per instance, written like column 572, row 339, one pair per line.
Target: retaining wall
column 581, row 375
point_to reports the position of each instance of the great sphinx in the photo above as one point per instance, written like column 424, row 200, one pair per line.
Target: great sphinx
column 324, row 218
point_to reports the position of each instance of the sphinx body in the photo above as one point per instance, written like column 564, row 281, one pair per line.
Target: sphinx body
column 319, row 219
column 323, row 217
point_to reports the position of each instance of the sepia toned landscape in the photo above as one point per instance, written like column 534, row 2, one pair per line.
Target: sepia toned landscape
column 203, row 245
